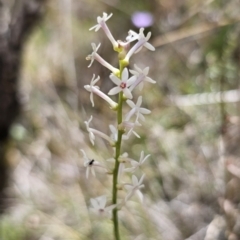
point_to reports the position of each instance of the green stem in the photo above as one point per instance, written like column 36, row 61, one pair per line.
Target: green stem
column 115, row 171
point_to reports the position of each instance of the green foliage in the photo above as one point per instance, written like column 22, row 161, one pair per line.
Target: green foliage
column 12, row 231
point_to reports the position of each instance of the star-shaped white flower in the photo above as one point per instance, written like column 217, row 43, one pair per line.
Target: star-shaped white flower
column 102, row 24
column 90, row 164
column 126, row 125
column 99, row 206
column 135, row 188
column 140, row 76
column 123, row 84
column 95, row 89
column 114, row 133
column 136, row 109
column 132, row 36
column 135, row 164
column 142, row 41
column 91, row 87
column 93, row 54
column 93, row 131
column 100, row 21
column 123, row 159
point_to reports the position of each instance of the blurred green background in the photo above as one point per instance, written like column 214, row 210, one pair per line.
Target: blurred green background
column 192, row 177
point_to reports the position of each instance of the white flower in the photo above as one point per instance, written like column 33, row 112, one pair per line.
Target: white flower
column 141, row 76
column 123, row 159
column 92, row 55
column 130, row 126
column 114, row 133
column 93, row 131
column 90, row 164
column 100, row 21
column 132, row 36
column 95, row 89
column 135, row 164
column 99, row 206
column 91, row 86
column 95, row 56
column 122, row 85
column 142, row 41
column 102, row 24
column 136, row 109
column 134, row 188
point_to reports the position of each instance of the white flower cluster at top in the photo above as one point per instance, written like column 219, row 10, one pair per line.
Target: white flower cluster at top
column 125, row 86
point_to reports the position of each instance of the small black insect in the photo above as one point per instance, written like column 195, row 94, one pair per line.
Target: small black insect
column 91, row 162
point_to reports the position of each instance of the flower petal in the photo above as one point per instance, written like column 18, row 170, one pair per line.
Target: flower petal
column 94, row 203
column 139, row 101
column 115, row 79
column 110, row 208
column 87, row 172
column 130, row 103
column 125, row 74
column 102, row 201
column 131, row 80
column 144, row 111
column 114, row 91
column 149, row 46
column 141, row 179
column 134, row 180
column 127, row 93
column 148, row 79
column 145, row 158
column 140, row 195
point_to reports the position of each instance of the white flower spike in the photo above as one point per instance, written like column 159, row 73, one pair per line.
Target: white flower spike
column 99, row 206
column 122, row 85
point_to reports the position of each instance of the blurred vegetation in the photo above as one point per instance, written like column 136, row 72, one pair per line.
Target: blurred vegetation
column 194, row 149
